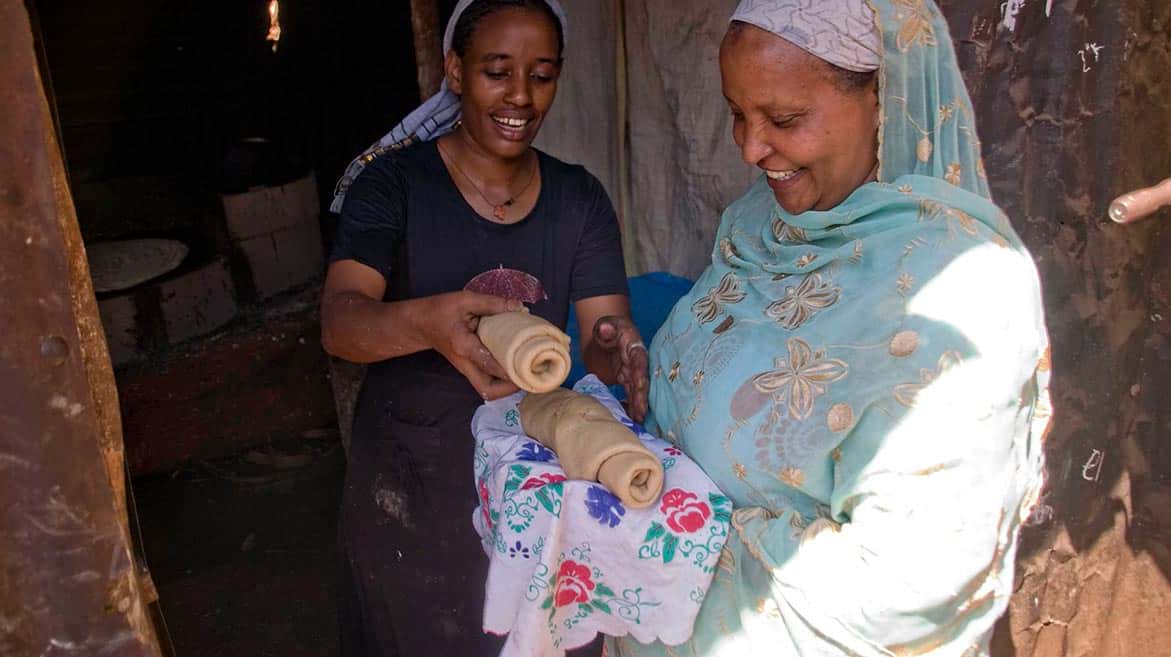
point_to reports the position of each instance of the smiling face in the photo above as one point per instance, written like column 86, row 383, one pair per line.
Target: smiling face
column 815, row 137
column 506, row 79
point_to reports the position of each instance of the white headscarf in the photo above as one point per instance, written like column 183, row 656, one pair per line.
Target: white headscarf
column 841, row 32
column 431, row 120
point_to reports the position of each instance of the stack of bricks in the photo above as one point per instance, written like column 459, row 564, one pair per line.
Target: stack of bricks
column 276, row 238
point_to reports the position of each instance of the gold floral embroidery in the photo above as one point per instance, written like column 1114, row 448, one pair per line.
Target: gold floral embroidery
column 740, row 471
column 954, row 172
column 946, row 112
column 792, row 477
column 728, row 250
column 840, row 418
column 904, row 343
column 674, row 372
column 711, row 305
column 727, row 563
column 836, row 454
column 905, row 283
column 698, row 378
column 932, row 210
column 906, row 189
column 857, row 257
column 806, row 260
column 916, row 27
column 803, row 301
column 910, row 247
column 924, row 149
column 907, row 393
column 801, row 379
column 658, row 372
column 788, row 233
column 797, row 522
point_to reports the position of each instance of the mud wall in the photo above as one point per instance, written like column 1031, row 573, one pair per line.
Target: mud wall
column 1074, row 105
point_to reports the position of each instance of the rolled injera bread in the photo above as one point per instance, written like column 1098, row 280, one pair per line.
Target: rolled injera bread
column 533, row 352
column 592, row 445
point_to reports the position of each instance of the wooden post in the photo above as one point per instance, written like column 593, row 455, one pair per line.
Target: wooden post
column 428, row 45
column 68, row 581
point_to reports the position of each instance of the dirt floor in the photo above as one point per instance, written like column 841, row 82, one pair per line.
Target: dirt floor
column 243, row 550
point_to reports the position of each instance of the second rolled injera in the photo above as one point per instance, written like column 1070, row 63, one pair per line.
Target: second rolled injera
column 592, row 445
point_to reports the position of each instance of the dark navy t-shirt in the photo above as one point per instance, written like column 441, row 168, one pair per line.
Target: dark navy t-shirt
column 405, row 218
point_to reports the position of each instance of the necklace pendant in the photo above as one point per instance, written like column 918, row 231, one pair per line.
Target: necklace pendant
column 498, row 212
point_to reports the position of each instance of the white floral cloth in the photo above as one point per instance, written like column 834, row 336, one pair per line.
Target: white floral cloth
column 569, row 561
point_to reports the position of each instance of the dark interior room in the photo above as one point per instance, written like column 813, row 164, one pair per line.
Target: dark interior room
column 191, row 135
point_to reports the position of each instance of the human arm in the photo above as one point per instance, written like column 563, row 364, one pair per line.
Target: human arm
column 919, row 544
column 612, row 347
column 357, row 326
column 929, row 484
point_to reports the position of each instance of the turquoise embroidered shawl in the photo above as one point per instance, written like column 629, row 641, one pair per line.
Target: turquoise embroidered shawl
column 868, row 385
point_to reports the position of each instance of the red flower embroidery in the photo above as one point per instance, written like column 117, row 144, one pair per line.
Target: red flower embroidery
column 674, row 451
column 685, row 513
column 542, row 480
column 484, row 506
column 573, row 584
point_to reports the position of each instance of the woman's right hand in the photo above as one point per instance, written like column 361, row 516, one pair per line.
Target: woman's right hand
column 450, row 321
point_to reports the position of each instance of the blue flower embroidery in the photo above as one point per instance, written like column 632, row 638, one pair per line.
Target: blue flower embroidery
column 602, row 505
column 534, row 451
column 633, row 426
column 518, row 550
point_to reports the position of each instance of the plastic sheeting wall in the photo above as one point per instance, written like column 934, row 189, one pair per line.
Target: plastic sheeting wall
column 1074, row 105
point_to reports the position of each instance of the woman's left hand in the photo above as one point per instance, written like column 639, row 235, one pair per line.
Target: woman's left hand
column 620, row 340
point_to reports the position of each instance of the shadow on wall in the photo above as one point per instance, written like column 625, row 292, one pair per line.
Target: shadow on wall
column 1074, row 108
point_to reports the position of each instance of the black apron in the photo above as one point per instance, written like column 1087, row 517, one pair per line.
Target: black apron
column 413, row 570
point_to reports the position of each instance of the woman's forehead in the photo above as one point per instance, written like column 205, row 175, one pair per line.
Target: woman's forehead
column 764, row 68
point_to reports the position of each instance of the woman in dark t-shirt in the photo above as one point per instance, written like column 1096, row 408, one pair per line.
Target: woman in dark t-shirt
column 454, row 191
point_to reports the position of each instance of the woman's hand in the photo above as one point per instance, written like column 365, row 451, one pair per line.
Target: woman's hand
column 450, row 321
column 620, row 340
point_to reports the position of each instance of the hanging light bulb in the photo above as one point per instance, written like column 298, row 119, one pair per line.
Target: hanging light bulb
column 274, row 24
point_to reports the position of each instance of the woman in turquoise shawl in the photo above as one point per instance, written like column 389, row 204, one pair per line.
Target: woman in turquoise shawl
column 863, row 367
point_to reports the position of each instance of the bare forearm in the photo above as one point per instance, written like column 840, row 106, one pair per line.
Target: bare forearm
column 362, row 330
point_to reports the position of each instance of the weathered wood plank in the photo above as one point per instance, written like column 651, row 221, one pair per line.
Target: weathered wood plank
column 68, row 581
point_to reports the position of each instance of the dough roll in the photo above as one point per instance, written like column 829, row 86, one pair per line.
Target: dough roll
column 533, row 352
column 592, row 445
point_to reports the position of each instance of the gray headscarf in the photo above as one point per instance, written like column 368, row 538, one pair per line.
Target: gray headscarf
column 431, row 120
column 841, row 32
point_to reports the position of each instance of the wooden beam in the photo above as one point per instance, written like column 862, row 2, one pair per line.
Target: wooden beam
column 428, row 45
column 68, row 580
